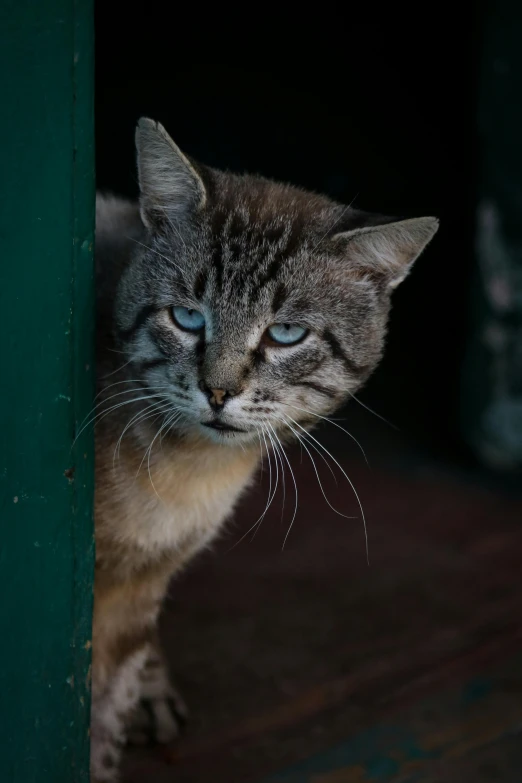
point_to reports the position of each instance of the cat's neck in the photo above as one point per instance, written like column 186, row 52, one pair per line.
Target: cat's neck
column 175, row 498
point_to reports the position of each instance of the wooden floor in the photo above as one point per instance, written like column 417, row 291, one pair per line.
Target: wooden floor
column 309, row 665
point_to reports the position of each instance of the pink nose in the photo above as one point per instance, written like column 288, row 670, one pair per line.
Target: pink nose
column 217, row 396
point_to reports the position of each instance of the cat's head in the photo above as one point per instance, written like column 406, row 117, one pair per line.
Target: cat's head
column 251, row 306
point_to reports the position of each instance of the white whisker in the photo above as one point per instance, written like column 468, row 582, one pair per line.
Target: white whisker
column 171, row 224
column 271, row 494
column 155, row 408
column 370, row 410
column 119, row 394
column 102, row 414
column 148, row 453
column 277, row 448
column 261, row 464
column 106, row 399
column 117, row 369
column 296, row 497
column 173, row 423
column 315, row 469
column 338, row 220
column 260, row 519
column 139, row 381
column 152, row 250
column 276, row 462
column 334, row 423
column 346, row 477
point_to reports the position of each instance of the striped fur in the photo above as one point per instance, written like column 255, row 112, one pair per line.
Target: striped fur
column 247, row 253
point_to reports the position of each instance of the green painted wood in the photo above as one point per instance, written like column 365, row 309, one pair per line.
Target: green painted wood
column 46, row 345
column 492, row 393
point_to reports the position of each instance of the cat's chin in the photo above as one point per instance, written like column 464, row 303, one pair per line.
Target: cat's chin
column 228, row 437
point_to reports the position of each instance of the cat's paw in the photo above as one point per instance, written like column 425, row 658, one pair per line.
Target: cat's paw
column 157, row 720
column 161, row 713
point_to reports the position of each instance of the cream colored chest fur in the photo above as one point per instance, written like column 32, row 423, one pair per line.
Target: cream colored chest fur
column 184, row 499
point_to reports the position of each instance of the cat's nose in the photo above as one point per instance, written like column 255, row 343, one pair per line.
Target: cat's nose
column 216, row 397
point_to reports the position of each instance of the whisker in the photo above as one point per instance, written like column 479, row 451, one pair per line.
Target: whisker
column 117, row 369
column 261, row 453
column 261, row 462
column 278, row 451
column 271, row 494
column 154, row 409
column 169, row 419
column 258, row 521
column 153, row 250
column 171, row 224
column 370, row 410
column 277, row 446
column 106, row 399
column 102, row 414
column 132, row 380
column 316, row 471
column 148, row 454
column 346, row 477
column 299, row 437
column 119, row 394
column 112, row 396
column 343, row 213
column 173, row 423
column 296, row 495
column 333, row 423
column 276, row 462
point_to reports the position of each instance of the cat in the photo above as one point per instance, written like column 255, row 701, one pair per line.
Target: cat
column 233, row 311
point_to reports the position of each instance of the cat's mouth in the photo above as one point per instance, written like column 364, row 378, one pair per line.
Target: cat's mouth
column 220, row 426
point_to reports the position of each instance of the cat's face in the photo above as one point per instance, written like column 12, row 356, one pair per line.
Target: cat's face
column 253, row 308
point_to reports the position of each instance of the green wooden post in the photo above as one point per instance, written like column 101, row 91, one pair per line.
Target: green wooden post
column 46, row 348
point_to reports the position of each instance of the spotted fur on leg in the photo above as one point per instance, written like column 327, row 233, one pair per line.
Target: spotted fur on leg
column 109, row 715
column 161, row 714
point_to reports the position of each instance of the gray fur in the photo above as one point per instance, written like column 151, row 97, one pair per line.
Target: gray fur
column 247, row 252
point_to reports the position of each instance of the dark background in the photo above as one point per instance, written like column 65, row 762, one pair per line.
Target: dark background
column 380, row 109
column 287, row 654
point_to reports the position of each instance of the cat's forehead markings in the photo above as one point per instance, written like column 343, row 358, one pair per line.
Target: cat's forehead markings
column 200, row 284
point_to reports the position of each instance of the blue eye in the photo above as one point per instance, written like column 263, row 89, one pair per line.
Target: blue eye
column 188, row 319
column 287, row 334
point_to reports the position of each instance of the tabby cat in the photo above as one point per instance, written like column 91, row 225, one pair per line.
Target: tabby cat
column 232, row 311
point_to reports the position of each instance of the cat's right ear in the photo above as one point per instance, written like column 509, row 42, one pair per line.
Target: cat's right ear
column 170, row 187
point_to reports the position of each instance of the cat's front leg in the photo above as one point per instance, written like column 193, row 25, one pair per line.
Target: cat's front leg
column 113, row 700
column 160, row 714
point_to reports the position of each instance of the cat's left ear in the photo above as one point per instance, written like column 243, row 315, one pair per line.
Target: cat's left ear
column 170, row 186
column 387, row 252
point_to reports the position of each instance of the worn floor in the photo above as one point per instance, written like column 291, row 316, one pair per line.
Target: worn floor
column 308, row 665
